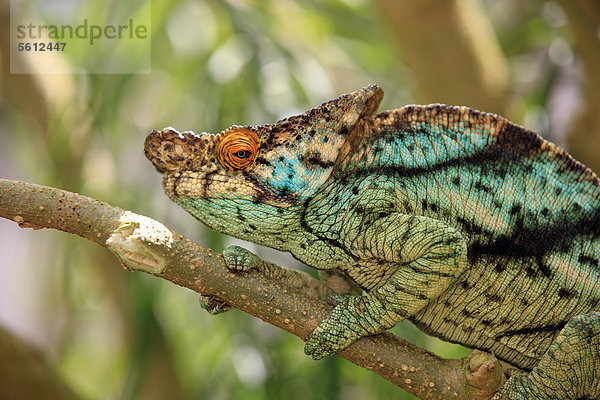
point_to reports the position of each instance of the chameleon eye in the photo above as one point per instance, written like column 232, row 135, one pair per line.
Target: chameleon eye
column 237, row 149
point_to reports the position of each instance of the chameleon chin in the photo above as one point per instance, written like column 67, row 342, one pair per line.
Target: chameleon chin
column 477, row 230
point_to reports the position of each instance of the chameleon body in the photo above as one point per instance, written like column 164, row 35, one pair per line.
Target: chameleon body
column 476, row 229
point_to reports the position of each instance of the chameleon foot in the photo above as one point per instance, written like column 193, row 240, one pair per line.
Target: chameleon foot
column 239, row 259
column 213, row 305
column 346, row 323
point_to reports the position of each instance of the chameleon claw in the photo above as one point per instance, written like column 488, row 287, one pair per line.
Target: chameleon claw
column 240, row 259
column 315, row 353
column 213, row 305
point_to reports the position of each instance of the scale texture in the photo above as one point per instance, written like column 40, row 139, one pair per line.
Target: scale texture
column 476, row 229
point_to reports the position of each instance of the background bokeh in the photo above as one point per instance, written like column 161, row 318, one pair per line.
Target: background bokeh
column 112, row 334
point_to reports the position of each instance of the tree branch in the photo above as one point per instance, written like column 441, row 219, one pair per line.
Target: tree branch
column 146, row 245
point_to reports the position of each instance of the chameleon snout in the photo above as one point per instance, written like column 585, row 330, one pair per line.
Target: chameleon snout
column 171, row 151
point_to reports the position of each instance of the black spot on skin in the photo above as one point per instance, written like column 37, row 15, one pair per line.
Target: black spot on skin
column 466, row 313
column 524, row 302
column 456, row 181
column 465, row 285
column 360, row 210
column 284, row 192
column 543, row 268
column 486, row 322
column 316, row 160
column 530, row 272
column 564, row 293
column 493, row 298
column 515, row 209
column 252, row 227
column 467, row 329
column 410, row 291
column 424, row 205
column 311, row 133
column 383, row 114
column 469, row 227
column 500, row 268
column 281, row 158
column 481, row 186
column 280, row 211
column 558, row 191
column 263, row 161
column 241, row 217
column 534, row 330
column 450, row 241
column 207, row 181
column 354, row 190
column 407, row 207
column 585, row 259
column 545, row 211
column 258, row 199
column 325, row 139
column 290, row 176
column 500, row 171
column 497, row 204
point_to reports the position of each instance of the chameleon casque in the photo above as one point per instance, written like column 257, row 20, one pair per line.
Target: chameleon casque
column 476, row 229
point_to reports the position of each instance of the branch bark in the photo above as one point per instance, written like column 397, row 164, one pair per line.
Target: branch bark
column 146, row 245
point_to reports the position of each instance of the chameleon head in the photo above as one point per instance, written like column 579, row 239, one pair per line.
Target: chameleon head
column 249, row 181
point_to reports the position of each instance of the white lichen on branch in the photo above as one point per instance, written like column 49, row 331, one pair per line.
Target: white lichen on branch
column 139, row 241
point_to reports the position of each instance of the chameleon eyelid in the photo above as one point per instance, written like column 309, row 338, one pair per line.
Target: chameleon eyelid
column 235, row 141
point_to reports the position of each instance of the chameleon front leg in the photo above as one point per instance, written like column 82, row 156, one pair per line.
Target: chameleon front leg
column 426, row 256
column 238, row 259
column 568, row 370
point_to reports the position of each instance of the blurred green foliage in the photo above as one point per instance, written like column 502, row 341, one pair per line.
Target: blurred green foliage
column 122, row 335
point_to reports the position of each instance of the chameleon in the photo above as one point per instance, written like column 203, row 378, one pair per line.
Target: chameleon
column 477, row 230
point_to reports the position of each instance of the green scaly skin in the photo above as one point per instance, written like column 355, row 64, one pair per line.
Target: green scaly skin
column 477, row 230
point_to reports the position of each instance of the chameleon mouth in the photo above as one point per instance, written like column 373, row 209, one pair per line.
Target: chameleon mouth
column 206, row 184
column 170, row 150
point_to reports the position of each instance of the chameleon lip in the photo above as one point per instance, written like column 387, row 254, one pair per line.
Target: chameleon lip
column 210, row 184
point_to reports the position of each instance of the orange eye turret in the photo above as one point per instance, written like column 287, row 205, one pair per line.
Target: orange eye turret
column 237, row 149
